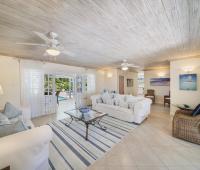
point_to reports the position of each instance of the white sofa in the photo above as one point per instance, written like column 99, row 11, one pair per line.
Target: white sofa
column 27, row 150
column 131, row 109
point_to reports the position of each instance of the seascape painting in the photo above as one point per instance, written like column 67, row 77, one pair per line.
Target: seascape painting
column 188, row 82
column 159, row 81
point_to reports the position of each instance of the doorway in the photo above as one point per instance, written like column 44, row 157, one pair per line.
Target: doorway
column 64, row 94
column 59, row 94
column 121, row 84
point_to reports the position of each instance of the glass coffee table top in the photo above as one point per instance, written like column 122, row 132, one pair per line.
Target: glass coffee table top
column 91, row 117
column 86, row 117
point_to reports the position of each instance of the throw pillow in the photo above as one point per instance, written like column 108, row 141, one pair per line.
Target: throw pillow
column 105, row 97
column 9, row 129
column 11, row 111
column 131, row 105
column 99, row 100
column 196, row 111
column 110, row 101
column 3, row 119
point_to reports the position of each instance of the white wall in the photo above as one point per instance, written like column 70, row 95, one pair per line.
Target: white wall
column 191, row 98
column 109, row 79
column 160, row 91
column 10, row 81
column 106, row 79
column 10, row 76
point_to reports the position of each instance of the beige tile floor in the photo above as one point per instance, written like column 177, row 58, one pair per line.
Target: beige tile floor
column 63, row 106
column 151, row 147
column 148, row 147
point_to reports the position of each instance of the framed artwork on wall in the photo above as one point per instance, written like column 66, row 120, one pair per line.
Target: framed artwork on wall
column 159, row 81
column 188, row 82
column 129, row 82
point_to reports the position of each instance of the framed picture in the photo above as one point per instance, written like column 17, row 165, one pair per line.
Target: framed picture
column 129, row 82
column 159, row 81
column 188, row 82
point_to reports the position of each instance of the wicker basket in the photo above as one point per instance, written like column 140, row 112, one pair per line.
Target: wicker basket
column 186, row 127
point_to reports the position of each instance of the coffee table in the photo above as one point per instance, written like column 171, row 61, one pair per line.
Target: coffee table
column 90, row 118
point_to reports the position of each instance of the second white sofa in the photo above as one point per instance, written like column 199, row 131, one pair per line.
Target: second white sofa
column 125, row 107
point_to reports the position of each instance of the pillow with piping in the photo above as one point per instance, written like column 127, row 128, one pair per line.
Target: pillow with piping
column 196, row 111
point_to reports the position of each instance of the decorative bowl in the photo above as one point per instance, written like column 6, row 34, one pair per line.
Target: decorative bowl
column 84, row 109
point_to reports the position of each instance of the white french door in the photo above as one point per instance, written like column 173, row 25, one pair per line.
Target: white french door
column 80, row 90
column 50, row 98
column 84, row 88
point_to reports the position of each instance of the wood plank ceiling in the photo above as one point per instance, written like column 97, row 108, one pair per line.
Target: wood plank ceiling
column 103, row 32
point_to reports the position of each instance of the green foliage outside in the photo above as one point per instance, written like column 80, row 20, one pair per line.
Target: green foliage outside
column 62, row 83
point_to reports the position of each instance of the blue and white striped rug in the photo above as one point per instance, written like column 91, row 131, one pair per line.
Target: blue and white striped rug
column 70, row 150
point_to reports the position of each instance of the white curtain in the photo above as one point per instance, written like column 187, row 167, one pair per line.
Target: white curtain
column 88, row 88
column 32, row 86
column 91, row 86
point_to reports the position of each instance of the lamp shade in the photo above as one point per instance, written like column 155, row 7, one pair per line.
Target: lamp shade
column 1, row 90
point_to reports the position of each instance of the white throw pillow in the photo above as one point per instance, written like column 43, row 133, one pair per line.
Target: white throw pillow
column 99, row 100
column 105, row 97
column 110, row 101
column 131, row 105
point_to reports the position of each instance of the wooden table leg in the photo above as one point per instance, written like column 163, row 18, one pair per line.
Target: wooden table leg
column 86, row 136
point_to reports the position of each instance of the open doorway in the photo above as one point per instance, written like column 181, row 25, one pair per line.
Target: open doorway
column 59, row 94
column 65, row 94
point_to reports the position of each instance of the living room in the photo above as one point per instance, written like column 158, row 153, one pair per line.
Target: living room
column 99, row 85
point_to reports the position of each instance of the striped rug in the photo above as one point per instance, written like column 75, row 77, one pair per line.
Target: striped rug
column 70, row 150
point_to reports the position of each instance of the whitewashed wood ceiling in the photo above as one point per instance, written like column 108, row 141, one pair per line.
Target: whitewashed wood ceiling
column 103, row 32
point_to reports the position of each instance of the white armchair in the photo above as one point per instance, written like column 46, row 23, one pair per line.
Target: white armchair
column 26, row 150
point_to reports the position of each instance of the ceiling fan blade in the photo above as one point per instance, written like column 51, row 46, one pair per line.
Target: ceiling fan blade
column 32, row 44
column 42, row 36
column 68, row 53
column 134, row 66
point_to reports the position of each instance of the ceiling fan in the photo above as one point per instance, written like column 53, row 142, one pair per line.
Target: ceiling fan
column 125, row 65
column 52, row 44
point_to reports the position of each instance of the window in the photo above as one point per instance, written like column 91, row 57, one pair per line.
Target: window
column 141, row 83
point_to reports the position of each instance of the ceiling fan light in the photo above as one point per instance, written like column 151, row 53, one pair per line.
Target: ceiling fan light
column 124, row 68
column 53, row 51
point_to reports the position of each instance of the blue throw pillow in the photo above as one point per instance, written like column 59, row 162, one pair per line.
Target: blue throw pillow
column 3, row 119
column 9, row 129
column 11, row 111
column 196, row 111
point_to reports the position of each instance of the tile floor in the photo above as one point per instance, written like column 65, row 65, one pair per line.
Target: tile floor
column 151, row 147
column 148, row 147
column 63, row 106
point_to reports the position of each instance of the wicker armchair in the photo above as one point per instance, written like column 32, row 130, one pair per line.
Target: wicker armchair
column 186, row 126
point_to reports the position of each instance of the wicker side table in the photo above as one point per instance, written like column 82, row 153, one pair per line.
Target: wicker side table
column 186, row 127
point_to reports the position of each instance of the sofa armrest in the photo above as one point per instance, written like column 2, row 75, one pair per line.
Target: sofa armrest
column 26, row 150
column 143, row 107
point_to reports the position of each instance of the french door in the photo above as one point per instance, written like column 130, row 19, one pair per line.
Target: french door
column 50, row 99
column 80, row 90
